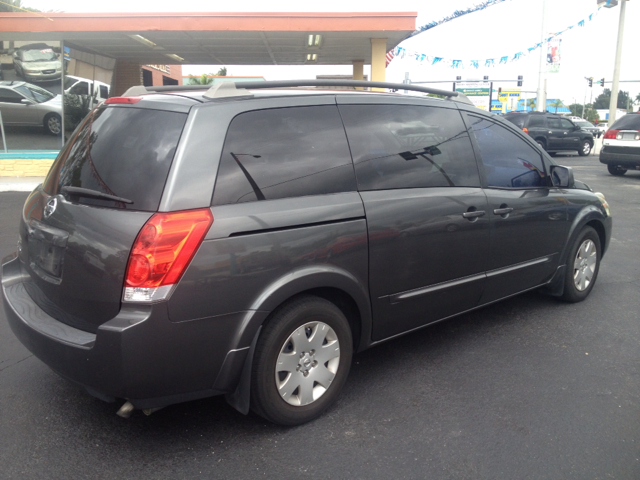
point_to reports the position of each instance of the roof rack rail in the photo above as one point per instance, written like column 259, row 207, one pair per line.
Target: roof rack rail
column 240, row 89
column 225, row 89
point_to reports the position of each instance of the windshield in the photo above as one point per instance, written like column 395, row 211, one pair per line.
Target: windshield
column 584, row 124
column 44, row 55
column 37, row 94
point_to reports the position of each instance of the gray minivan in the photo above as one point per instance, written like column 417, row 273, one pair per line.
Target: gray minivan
column 248, row 239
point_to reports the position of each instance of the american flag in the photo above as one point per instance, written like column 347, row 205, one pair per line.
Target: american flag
column 390, row 56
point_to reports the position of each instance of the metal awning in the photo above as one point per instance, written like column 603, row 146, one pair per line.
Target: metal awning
column 216, row 38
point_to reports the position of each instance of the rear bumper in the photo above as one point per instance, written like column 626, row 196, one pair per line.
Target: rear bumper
column 626, row 160
column 139, row 355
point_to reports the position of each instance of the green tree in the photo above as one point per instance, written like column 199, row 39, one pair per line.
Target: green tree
column 531, row 103
column 557, row 104
column 222, row 72
column 203, row 79
column 602, row 100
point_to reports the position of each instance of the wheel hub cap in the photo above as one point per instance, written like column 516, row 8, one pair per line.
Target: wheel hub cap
column 584, row 266
column 307, row 363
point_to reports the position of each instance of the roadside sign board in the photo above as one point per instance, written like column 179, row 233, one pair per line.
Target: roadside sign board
column 478, row 93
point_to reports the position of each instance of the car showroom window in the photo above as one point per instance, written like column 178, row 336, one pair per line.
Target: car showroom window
column 508, row 161
column 290, row 152
column 407, row 146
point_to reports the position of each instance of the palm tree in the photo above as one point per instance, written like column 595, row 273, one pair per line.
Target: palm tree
column 204, row 79
column 557, row 103
column 531, row 103
column 222, row 72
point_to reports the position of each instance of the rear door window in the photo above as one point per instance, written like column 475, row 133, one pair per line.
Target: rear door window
column 407, row 146
column 282, row 153
column 121, row 151
column 508, row 161
column 537, row 121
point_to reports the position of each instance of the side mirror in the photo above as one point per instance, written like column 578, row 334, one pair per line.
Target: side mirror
column 26, row 101
column 562, row 176
column 576, row 128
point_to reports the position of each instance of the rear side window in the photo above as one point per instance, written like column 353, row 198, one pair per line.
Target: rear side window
column 284, row 152
column 124, row 152
column 536, row 121
column 406, row 146
column 628, row 122
column 508, row 161
column 518, row 120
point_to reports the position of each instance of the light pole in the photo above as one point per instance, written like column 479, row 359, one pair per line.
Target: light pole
column 613, row 103
column 541, row 103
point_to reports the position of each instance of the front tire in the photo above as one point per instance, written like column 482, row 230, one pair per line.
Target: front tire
column 53, row 124
column 585, row 149
column 583, row 265
column 301, row 361
column 616, row 170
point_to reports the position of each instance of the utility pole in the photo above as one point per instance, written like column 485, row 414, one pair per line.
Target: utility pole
column 613, row 103
column 541, row 102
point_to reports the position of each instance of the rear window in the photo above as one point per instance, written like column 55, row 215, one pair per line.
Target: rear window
column 124, row 152
column 516, row 119
column 628, row 122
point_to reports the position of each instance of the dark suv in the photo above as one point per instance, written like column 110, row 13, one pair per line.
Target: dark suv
column 246, row 241
column 553, row 132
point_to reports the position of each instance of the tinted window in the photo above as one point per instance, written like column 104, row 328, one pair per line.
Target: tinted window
column 516, row 119
column 125, row 152
column 536, row 121
column 507, row 159
column 554, row 123
column 104, row 91
column 80, row 88
column 285, row 152
column 403, row 146
column 9, row 96
column 566, row 124
column 628, row 122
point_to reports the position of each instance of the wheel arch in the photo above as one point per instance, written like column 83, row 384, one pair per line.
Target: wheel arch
column 325, row 281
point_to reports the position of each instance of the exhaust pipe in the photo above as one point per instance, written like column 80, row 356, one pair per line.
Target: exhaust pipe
column 126, row 410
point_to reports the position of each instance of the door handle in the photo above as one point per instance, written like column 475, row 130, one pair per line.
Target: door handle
column 474, row 214
column 502, row 211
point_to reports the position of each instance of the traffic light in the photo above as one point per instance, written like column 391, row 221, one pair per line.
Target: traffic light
column 458, row 78
column 602, row 82
column 590, row 81
column 519, row 80
column 486, row 77
column 499, row 90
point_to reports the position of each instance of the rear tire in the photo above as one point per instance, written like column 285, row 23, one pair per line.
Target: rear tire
column 301, row 361
column 583, row 264
column 585, row 149
column 616, row 170
column 53, row 124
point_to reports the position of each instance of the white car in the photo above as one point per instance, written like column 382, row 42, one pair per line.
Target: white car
column 621, row 145
column 98, row 91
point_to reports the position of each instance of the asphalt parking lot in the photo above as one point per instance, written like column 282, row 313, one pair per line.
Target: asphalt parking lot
column 529, row 388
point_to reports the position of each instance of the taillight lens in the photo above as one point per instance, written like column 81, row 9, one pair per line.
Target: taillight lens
column 122, row 100
column 162, row 252
column 525, row 130
column 611, row 134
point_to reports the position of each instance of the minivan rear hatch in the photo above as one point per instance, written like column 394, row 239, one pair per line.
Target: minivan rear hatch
column 78, row 228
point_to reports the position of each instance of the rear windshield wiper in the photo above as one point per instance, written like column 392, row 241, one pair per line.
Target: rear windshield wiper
column 87, row 192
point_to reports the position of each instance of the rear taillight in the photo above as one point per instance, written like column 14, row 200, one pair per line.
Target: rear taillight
column 611, row 134
column 122, row 100
column 525, row 130
column 162, row 252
